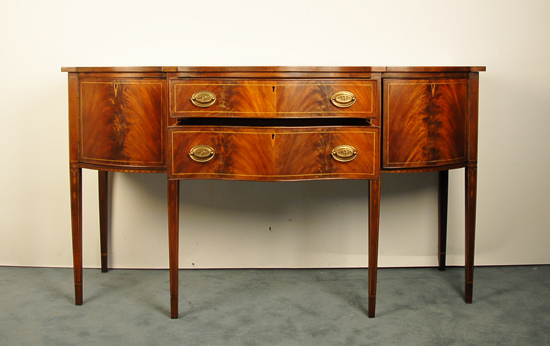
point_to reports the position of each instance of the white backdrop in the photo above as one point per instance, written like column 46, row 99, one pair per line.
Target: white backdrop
column 246, row 224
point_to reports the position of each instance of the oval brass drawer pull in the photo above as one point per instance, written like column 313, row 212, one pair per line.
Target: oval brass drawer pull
column 202, row 153
column 344, row 153
column 203, row 98
column 343, row 99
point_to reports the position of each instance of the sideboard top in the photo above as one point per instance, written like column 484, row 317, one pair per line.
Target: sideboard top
column 281, row 69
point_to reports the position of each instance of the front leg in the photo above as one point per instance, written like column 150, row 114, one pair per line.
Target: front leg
column 76, row 223
column 103, row 184
column 471, row 197
column 173, row 243
column 374, row 221
column 443, row 208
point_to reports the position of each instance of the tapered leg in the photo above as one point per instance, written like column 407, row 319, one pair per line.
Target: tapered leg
column 103, row 218
column 471, row 195
column 443, row 207
column 76, row 223
column 173, row 243
column 374, row 221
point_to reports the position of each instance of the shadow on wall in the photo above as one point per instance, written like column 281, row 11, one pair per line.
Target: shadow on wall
column 396, row 184
column 271, row 197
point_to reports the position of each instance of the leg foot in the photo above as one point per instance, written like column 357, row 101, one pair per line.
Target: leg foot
column 372, row 307
column 469, row 292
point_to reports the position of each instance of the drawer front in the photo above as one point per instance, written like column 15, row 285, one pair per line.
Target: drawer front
column 244, row 153
column 273, row 99
column 425, row 122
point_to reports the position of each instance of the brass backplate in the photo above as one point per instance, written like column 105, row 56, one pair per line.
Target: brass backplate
column 344, row 153
column 203, row 98
column 343, row 99
column 202, row 153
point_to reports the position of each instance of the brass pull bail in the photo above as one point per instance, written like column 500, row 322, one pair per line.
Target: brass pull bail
column 344, row 153
column 203, row 98
column 202, row 153
column 343, row 99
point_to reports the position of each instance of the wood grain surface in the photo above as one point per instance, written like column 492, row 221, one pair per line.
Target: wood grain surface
column 424, row 122
column 121, row 122
column 273, row 153
column 272, row 123
column 272, row 99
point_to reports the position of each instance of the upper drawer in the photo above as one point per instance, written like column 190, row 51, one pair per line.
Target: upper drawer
column 273, row 99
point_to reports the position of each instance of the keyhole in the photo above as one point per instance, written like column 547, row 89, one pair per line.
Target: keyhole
column 273, row 89
column 273, row 136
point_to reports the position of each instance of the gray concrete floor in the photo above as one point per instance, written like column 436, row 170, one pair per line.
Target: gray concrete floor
column 276, row 307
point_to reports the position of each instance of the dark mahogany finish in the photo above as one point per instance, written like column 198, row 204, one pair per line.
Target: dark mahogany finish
column 122, row 122
column 272, row 124
column 425, row 122
column 173, row 243
column 274, row 153
column 103, row 185
column 272, row 99
column 443, row 198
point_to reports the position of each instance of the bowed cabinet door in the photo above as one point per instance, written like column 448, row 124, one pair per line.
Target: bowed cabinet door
column 424, row 122
column 122, row 123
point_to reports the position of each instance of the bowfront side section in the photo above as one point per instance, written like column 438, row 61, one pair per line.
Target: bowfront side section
column 117, row 122
column 429, row 118
column 425, row 122
column 430, row 123
column 122, row 123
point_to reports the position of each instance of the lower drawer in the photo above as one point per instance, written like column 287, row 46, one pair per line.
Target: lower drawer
column 273, row 153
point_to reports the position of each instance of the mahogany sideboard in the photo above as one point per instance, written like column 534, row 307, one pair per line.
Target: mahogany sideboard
column 273, row 124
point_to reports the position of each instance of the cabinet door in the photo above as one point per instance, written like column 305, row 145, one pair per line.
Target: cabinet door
column 121, row 122
column 424, row 122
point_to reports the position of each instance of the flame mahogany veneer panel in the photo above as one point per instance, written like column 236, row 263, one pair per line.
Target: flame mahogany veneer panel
column 122, row 122
column 425, row 122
